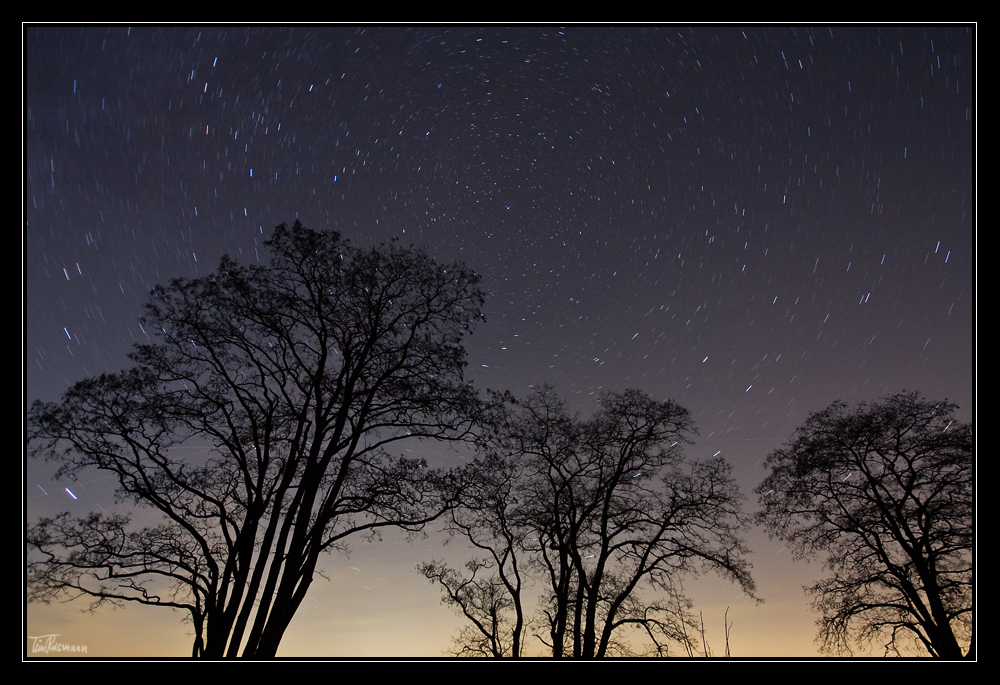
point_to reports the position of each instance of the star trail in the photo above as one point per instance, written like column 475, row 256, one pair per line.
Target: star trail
column 752, row 221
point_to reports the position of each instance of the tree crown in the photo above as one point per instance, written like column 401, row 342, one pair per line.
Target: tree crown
column 290, row 379
column 885, row 492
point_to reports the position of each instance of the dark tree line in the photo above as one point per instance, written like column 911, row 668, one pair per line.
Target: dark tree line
column 292, row 379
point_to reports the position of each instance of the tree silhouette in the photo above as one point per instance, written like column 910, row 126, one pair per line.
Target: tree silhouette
column 292, row 378
column 884, row 492
column 599, row 511
column 490, row 597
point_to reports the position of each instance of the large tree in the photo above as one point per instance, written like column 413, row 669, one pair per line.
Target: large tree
column 608, row 518
column 291, row 379
column 883, row 491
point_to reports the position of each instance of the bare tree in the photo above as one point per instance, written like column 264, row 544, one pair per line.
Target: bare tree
column 490, row 596
column 602, row 510
column 294, row 377
column 883, row 491
column 487, row 600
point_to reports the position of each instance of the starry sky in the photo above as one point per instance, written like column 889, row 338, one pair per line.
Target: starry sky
column 753, row 221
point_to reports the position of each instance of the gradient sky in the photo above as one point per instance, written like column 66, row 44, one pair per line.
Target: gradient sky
column 753, row 221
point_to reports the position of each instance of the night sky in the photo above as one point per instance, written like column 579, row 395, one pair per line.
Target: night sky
column 752, row 221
